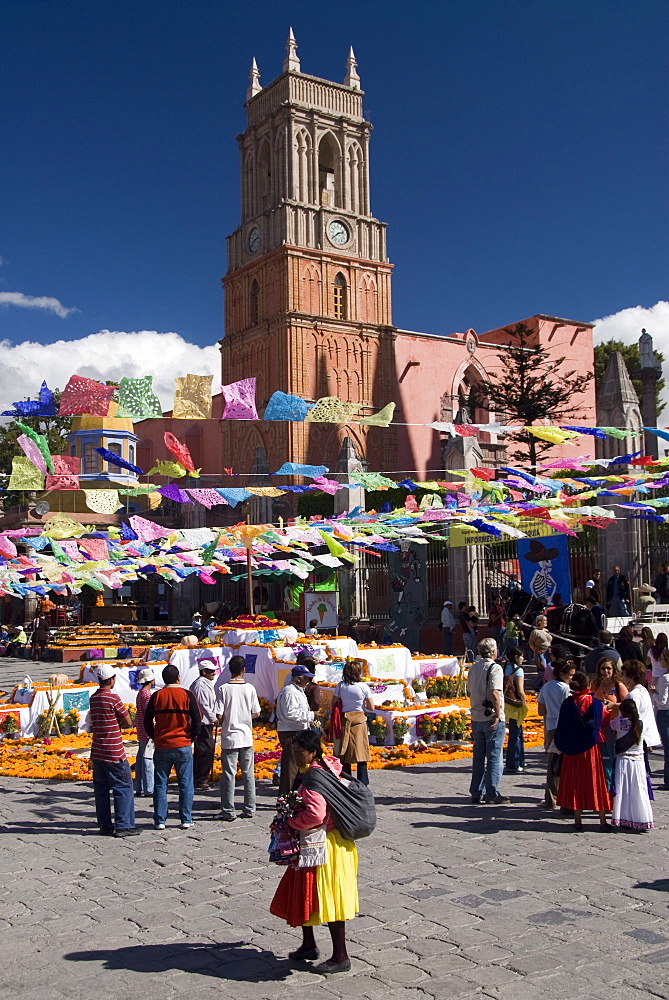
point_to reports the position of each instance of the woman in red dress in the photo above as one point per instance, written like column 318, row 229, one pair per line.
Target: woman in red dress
column 582, row 781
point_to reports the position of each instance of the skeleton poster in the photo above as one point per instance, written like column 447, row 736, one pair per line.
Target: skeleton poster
column 544, row 567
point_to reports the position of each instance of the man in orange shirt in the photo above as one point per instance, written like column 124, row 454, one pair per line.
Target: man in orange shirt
column 172, row 720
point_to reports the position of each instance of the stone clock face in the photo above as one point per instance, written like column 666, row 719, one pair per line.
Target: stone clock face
column 254, row 239
column 338, row 233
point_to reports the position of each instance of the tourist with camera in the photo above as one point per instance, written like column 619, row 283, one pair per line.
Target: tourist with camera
column 485, row 684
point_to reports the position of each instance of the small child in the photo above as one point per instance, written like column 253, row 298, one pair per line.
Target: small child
column 312, row 630
column 631, row 805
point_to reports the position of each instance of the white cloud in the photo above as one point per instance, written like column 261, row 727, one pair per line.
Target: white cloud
column 627, row 325
column 104, row 355
column 45, row 302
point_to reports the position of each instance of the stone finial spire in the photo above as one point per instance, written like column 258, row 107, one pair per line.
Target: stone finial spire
column 291, row 64
column 254, row 81
column 352, row 79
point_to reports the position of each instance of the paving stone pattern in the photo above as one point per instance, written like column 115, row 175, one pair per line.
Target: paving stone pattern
column 457, row 901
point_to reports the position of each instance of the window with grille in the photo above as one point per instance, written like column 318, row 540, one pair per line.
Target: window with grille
column 116, row 449
column 91, row 459
column 339, row 288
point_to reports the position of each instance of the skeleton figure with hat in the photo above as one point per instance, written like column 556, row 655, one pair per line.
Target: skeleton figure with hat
column 542, row 585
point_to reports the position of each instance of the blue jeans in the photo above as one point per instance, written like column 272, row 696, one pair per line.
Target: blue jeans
column 227, row 783
column 487, row 763
column 662, row 720
column 117, row 779
column 448, row 641
column 143, row 771
column 515, row 748
column 470, row 642
column 182, row 760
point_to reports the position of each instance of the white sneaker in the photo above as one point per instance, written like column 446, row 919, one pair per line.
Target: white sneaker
column 158, row 826
column 187, row 826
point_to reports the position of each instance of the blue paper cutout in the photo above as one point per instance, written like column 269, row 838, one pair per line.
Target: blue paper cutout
column 283, row 406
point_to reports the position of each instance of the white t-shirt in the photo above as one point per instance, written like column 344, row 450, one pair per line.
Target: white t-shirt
column 236, row 703
column 352, row 696
column 644, row 707
column 551, row 697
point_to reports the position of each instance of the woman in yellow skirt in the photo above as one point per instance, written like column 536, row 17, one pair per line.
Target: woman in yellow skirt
column 325, row 893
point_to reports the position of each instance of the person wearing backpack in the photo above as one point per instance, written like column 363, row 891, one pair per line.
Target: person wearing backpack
column 325, row 889
column 582, row 780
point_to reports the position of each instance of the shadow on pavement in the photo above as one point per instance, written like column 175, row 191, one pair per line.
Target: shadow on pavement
column 659, row 884
column 234, row 961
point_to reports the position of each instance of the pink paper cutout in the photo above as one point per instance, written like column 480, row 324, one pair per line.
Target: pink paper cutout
column 65, row 473
column 147, row 531
column 240, row 400
column 7, row 547
column 95, row 548
column 208, row 498
column 32, row 452
column 85, row 395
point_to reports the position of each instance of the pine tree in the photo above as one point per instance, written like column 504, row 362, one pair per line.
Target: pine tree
column 531, row 388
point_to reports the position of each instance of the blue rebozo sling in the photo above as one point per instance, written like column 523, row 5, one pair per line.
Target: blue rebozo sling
column 577, row 733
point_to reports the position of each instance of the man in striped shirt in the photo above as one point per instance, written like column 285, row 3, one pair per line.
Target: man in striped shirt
column 111, row 770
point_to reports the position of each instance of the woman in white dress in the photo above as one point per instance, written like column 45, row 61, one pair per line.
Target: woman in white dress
column 631, row 805
column 634, row 675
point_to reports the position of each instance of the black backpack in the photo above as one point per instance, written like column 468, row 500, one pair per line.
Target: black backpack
column 350, row 802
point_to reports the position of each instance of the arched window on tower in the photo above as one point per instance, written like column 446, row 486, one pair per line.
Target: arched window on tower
column 265, row 176
column 254, row 303
column 340, row 295
column 328, row 167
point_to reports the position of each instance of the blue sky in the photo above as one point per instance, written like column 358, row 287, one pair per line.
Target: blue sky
column 519, row 155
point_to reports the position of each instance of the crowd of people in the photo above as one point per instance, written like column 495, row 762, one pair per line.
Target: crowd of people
column 599, row 724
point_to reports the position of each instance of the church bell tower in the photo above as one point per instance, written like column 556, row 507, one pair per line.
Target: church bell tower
column 307, row 291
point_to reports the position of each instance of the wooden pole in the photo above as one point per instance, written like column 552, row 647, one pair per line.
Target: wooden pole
column 249, row 575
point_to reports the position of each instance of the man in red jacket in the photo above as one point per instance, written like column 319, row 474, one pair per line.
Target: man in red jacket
column 172, row 721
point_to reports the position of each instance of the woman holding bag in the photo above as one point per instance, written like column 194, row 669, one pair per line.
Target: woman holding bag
column 515, row 709
column 321, row 887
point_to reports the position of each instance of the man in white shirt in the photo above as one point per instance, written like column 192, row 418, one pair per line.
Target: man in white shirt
column 484, row 685
column 237, row 707
column 293, row 715
column 447, row 626
column 204, row 746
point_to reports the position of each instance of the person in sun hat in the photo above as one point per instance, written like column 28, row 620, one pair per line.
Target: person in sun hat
column 111, row 770
column 144, row 762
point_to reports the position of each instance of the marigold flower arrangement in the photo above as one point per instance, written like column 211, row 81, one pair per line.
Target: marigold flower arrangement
column 426, row 726
column 400, row 729
column 379, row 728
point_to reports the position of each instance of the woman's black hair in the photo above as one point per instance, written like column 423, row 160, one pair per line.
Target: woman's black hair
column 629, row 711
column 309, row 741
column 512, row 653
